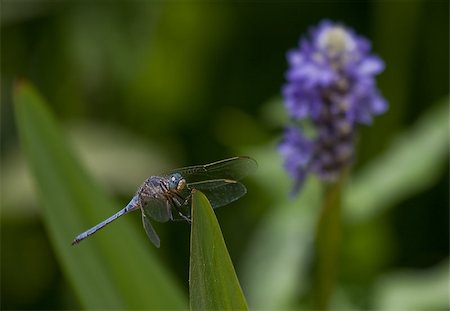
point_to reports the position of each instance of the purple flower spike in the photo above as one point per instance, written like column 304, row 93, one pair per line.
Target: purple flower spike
column 330, row 81
column 297, row 151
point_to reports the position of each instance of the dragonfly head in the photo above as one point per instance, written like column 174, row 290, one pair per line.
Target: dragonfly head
column 176, row 182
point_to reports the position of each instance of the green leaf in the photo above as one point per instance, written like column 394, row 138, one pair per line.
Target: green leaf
column 100, row 147
column 117, row 268
column 424, row 289
column 283, row 238
column 213, row 284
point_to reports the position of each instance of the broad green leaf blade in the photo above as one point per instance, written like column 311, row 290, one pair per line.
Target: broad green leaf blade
column 213, row 284
column 116, row 268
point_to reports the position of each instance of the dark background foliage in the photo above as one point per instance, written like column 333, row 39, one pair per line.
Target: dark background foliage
column 179, row 83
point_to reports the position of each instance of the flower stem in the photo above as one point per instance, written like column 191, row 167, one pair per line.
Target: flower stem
column 328, row 237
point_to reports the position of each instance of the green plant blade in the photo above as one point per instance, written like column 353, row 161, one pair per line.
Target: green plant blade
column 284, row 240
column 213, row 284
column 116, row 268
column 407, row 289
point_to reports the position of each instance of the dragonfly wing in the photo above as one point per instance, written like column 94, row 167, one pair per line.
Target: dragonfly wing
column 234, row 168
column 151, row 233
column 157, row 209
column 220, row 192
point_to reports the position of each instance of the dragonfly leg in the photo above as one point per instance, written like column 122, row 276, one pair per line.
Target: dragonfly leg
column 186, row 202
column 180, row 213
column 188, row 199
column 177, row 203
column 185, row 217
column 188, row 219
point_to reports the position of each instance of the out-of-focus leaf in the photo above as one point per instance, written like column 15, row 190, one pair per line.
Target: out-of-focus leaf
column 275, row 266
column 414, row 162
column 213, row 284
column 18, row 195
column 101, row 149
column 413, row 290
column 114, row 270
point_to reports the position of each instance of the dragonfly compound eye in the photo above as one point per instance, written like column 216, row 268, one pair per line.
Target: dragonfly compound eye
column 174, row 181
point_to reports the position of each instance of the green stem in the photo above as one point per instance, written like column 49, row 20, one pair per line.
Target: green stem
column 328, row 237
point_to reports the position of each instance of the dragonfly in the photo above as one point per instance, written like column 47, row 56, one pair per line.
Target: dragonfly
column 168, row 197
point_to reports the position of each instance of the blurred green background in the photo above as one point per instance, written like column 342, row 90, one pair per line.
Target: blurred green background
column 142, row 86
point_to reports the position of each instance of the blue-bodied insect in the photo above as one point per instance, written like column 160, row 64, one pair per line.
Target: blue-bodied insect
column 168, row 197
